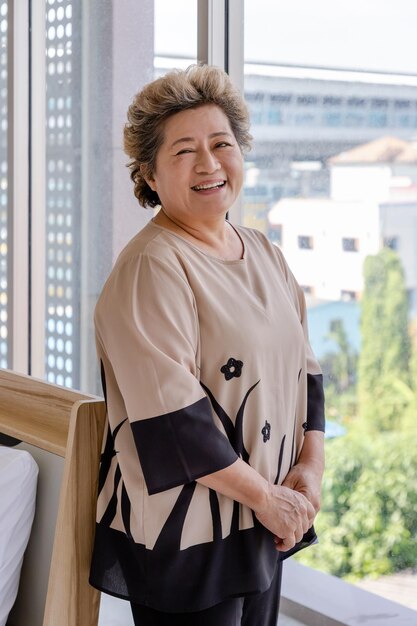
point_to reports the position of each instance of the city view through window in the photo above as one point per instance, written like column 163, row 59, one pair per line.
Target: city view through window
column 332, row 180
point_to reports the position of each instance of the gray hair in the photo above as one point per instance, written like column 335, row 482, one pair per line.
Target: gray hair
column 177, row 91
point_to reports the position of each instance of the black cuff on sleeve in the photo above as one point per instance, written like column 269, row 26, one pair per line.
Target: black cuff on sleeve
column 179, row 447
column 315, row 403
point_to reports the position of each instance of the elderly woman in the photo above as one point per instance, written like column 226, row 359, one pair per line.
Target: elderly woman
column 212, row 467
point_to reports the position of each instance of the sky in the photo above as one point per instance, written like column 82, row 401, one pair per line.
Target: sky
column 378, row 35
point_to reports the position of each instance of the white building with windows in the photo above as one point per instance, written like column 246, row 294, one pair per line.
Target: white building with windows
column 373, row 203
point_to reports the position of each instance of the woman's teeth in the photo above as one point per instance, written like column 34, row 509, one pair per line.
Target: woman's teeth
column 208, row 186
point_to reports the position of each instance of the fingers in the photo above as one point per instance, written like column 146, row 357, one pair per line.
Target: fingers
column 288, row 516
column 311, row 514
column 282, row 545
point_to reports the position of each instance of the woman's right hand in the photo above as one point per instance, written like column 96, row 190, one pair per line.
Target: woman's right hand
column 287, row 514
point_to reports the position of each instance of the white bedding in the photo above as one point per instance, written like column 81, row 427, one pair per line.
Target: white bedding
column 18, row 478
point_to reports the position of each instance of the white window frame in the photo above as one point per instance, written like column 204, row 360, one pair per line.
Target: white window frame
column 18, row 185
column 220, row 42
column 38, row 190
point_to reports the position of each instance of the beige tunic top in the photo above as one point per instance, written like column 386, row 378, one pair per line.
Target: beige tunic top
column 203, row 360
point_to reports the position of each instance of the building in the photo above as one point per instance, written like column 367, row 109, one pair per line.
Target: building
column 303, row 116
column 372, row 203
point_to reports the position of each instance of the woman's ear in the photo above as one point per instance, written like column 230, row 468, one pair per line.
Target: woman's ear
column 148, row 176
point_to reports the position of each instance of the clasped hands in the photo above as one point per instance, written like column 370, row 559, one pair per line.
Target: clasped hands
column 290, row 508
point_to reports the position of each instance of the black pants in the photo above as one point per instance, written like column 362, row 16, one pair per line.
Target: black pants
column 260, row 609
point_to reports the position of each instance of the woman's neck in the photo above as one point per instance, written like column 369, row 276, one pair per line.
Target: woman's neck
column 217, row 237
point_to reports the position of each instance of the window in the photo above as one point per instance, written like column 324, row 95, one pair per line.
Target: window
column 350, row 244
column 306, row 100
column 305, row 242
column 380, row 103
column 355, row 102
column 405, row 121
column 274, row 117
column 337, row 101
column 275, row 233
column 332, row 119
column 332, row 101
column 256, row 116
column 63, row 196
column 402, row 104
column 304, row 119
column 377, row 120
column 347, row 295
column 354, row 119
column 254, row 97
column 391, row 242
column 281, row 98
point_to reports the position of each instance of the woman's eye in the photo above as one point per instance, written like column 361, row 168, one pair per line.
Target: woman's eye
column 184, row 151
column 222, row 144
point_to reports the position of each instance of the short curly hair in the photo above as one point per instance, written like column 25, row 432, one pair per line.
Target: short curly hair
column 174, row 92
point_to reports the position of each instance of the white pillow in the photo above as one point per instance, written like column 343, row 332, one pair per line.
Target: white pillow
column 18, row 478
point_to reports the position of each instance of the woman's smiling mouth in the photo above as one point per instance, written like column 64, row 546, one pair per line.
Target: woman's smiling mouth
column 207, row 186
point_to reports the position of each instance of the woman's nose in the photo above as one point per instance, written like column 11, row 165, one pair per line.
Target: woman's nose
column 207, row 163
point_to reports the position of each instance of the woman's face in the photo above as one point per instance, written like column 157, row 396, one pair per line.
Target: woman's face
column 199, row 166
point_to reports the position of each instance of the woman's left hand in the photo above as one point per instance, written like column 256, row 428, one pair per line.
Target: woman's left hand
column 306, row 480
column 306, row 476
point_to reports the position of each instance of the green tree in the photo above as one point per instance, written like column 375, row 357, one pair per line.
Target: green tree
column 368, row 522
column 409, row 391
column 385, row 350
column 339, row 371
column 413, row 359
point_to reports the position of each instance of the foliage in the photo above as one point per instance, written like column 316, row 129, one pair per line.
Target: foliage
column 339, row 373
column 385, row 351
column 340, row 366
column 368, row 522
column 413, row 358
column 409, row 391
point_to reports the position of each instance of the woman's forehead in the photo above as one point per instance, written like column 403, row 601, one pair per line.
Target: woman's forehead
column 191, row 124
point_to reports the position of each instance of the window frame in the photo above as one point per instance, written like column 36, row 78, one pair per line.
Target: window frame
column 18, row 186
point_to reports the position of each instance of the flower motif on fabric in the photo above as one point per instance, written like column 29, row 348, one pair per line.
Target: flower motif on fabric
column 232, row 369
column 266, row 431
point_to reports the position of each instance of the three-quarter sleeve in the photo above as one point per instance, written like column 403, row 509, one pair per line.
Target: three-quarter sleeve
column 147, row 333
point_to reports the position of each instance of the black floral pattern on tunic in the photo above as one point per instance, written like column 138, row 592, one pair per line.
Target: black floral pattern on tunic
column 266, row 431
column 234, row 432
column 232, row 369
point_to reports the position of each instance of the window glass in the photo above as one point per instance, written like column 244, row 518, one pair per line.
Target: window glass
column 175, row 47
column 63, row 192
column 349, row 244
column 305, row 242
column 332, row 180
column 3, row 186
